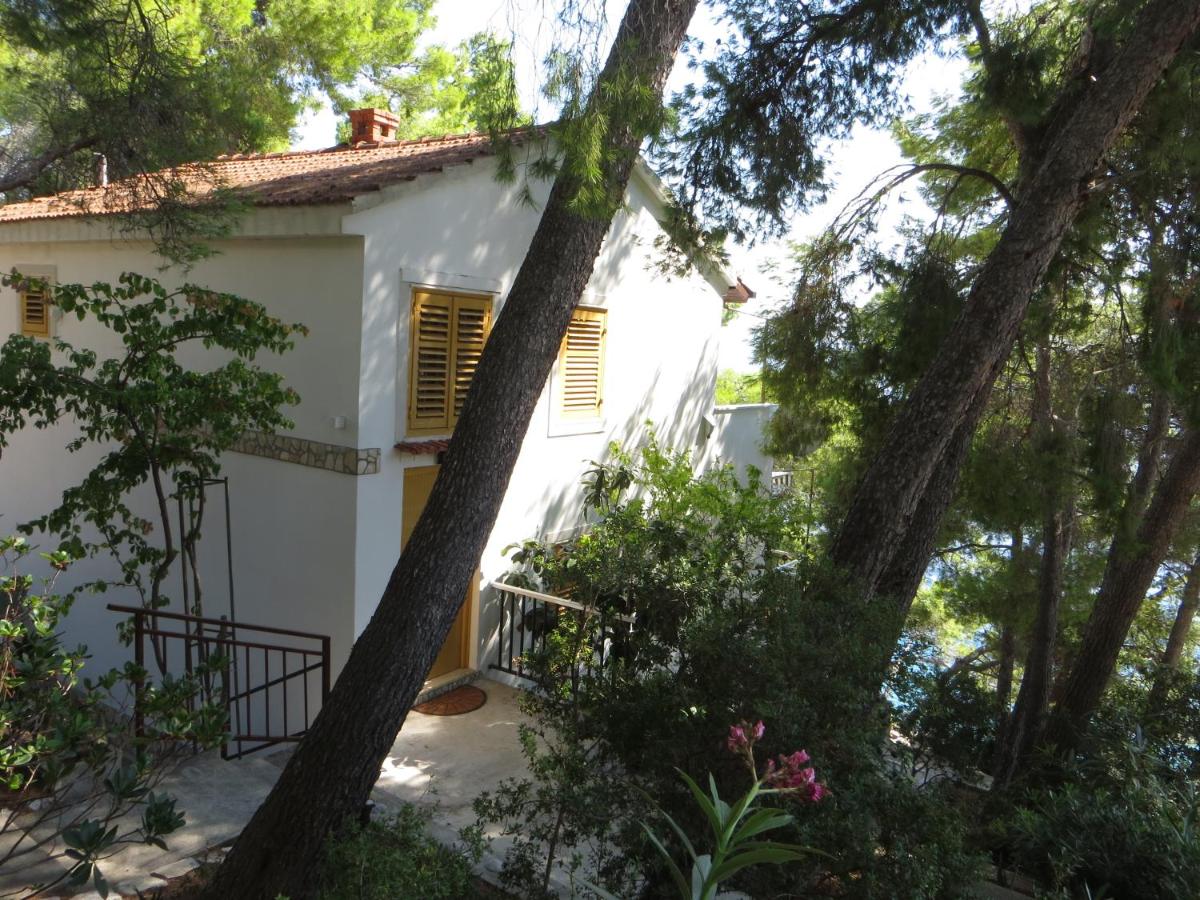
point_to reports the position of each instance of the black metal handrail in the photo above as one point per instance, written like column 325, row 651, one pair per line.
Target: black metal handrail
column 527, row 618
column 246, row 683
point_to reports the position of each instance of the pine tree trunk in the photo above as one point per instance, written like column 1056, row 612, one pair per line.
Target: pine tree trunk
column 878, row 525
column 1033, row 697
column 1183, row 618
column 1004, row 681
column 1008, row 643
column 1133, row 561
column 1177, row 640
column 329, row 778
column 904, row 573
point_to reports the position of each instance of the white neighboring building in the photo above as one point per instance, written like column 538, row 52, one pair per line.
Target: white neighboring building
column 376, row 248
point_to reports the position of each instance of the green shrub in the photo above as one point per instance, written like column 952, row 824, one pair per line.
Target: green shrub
column 723, row 635
column 1121, row 827
column 947, row 717
column 70, row 761
column 394, row 858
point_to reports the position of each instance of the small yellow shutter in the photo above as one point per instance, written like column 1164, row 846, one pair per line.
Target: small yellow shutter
column 581, row 365
column 472, row 322
column 35, row 313
column 428, row 408
column 449, row 332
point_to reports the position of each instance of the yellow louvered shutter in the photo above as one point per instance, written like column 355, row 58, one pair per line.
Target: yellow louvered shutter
column 472, row 322
column 581, row 365
column 433, row 335
column 449, row 332
column 35, row 313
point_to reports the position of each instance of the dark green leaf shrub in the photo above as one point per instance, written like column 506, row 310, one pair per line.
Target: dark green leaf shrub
column 1127, row 832
column 724, row 634
column 946, row 716
column 395, row 858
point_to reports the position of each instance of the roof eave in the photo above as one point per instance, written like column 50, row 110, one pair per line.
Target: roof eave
column 299, row 220
column 719, row 278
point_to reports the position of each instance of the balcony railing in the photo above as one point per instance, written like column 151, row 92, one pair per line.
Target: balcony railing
column 781, row 480
column 527, row 618
column 268, row 678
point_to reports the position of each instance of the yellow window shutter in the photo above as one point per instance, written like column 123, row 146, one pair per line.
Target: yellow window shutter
column 581, row 365
column 449, row 331
column 432, row 346
column 35, row 313
column 472, row 322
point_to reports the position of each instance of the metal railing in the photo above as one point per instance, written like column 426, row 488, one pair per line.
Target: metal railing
column 781, row 480
column 264, row 683
column 527, row 618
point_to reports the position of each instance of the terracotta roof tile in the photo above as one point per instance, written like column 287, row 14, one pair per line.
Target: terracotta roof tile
column 274, row 179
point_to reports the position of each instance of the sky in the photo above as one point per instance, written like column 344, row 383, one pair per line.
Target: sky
column 854, row 162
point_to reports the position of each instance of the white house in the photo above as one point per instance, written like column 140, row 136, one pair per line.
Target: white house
column 397, row 256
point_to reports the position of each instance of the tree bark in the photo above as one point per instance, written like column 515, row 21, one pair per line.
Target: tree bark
column 906, row 570
column 1183, row 618
column 1133, row 561
column 1004, row 681
column 1177, row 639
column 888, row 500
column 329, row 778
column 1008, row 643
column 1033, row 697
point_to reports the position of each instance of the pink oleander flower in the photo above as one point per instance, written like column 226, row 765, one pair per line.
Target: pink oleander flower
column 743, row 736
column 737, row 739
column 790, row 774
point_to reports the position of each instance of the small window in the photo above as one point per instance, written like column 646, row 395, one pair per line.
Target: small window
column 448, row 335
column 35, row 311
column 581, row 366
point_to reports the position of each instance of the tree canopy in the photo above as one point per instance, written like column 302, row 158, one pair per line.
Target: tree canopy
column 148, row 84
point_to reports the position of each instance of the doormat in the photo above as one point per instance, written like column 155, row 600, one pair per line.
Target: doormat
column 465, row 699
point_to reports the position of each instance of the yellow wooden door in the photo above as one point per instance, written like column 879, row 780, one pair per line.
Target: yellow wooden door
column 418, row 483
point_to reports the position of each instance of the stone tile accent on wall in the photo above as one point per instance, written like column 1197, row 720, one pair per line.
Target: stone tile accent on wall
column 319, row 455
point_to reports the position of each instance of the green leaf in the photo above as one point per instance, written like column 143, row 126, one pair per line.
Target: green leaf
column 738, row 861
column 759, row 820
column 704, row 803
column 676, row 875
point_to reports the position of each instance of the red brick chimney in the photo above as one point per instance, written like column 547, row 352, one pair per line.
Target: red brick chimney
column 372, row 125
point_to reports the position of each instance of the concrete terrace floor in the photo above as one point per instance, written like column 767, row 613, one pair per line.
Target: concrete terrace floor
column 441, row 763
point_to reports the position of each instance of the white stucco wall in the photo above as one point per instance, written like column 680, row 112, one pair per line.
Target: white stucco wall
column 281, row 513
column 466, row 231
column 738, row 433
column 313, row 549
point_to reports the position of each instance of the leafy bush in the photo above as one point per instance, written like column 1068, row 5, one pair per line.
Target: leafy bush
column 70, row 763
column 1121, row 827
column 946, row 716
column 724, row 634
column 396, row 859
column 160, row 425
